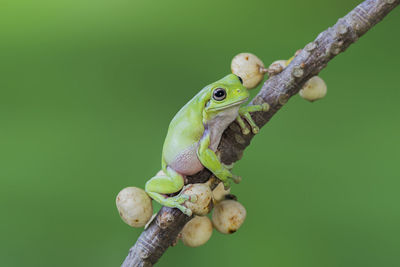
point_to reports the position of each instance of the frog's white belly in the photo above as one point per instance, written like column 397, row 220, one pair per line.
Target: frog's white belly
column 187, row 162
column 219, row 123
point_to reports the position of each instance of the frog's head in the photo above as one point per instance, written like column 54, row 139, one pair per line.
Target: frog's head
column 227, row 92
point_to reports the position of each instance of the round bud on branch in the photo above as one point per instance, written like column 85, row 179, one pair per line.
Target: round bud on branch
column 134, row 206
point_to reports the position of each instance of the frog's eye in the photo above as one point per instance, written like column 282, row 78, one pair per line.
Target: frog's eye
column 240, row 79
column 219, row 94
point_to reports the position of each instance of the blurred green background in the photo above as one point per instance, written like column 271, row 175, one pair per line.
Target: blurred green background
column 87, row 90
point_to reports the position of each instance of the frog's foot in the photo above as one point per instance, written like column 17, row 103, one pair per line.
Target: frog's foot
column 253, row 125
column 173, row 202
column 191, row 198
column 178, row 201
column 226, row 176
column 227, row 183
column 182, row 198
column 245, row 112
column 265, row 106
column 184, row 210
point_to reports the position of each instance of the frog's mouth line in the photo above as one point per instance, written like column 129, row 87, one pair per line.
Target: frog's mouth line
column 230, row 105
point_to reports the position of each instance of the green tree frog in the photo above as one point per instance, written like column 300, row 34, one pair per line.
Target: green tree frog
column 193, row 137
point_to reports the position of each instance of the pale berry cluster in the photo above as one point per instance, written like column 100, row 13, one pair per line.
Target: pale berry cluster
column 251, row 69
column 135, row 209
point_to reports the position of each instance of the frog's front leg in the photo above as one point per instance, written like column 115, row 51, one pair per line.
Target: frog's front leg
column 169, row 183
column 245, row 112
column 209, row 159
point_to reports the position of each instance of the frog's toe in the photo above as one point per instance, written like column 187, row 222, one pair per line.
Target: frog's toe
column 265, row 106
column 185, row 210
column 180, row 199
column 255, row 129
column 236, row 179
column 183, row 199
column 227, row 184
column 193, row 198
column 245, row 131
column 188, row 212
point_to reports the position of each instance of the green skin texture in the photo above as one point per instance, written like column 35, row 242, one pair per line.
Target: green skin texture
column 193, row 136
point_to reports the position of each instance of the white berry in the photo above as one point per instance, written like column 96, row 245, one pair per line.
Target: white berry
column 277, row 67
column 203, row 198
column 219, row 192
column 228, row 216
column 248, row 67
column 197, row 231
column 134, row 206
column 314, row 89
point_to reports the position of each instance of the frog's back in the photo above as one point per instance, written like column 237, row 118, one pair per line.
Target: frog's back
column 184, row 133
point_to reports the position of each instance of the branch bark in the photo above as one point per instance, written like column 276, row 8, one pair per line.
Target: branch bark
column 276, row 91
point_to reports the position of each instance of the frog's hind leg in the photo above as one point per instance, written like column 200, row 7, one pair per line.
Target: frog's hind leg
column 169, row 183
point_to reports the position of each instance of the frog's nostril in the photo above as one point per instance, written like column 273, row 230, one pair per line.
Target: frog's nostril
column 238, row 90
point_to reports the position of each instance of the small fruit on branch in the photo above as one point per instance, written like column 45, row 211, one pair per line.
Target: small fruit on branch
column 134, row 206
column 314, row 89
column 248, row 67
column 203, row 195
column 277, row 67
column 251, row 69
column 197, row 231
column 219, row 192
column 228, row 216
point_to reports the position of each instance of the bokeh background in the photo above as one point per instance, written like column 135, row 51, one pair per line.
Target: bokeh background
column 87, row 90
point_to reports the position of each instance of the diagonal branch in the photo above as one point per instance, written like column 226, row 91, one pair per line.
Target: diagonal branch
column 276, row 91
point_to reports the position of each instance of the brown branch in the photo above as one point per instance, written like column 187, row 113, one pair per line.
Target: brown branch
column 276, row 91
